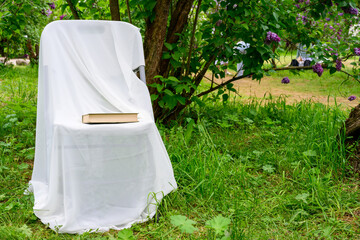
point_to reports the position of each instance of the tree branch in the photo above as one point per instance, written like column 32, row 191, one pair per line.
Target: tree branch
column 3, row 3
column 240, row 77
column 73, row 9
column 114, row 10
column 347, row 57
column 128, row 10
column 192, row 38
column 350, row 75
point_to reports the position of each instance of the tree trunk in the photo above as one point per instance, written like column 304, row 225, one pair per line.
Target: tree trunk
column 178, row 22
column 2, row 51
column 154, row 39
column 32, row 54
column 114, row 10
column 352, row 132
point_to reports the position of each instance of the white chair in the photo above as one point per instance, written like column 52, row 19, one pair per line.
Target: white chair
column 100, row 176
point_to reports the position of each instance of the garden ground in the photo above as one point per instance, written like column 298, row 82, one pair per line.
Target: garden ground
column 248, row 168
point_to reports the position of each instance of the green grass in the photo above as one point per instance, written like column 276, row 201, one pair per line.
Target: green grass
column 276, row 171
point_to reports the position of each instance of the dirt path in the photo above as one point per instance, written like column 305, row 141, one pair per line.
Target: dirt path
column 247, row 87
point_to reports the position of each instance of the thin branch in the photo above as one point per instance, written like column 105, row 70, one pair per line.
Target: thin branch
column 347, row 57
column 3, row 3
column 350, row 75
column 128, row 10
column 73, row 9
column 212, row 82
column 244, row 76
column 192, row 38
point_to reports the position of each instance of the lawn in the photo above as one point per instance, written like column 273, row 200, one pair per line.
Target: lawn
column 246, row 169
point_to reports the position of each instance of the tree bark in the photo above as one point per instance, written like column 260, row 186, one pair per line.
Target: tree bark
column 154, row 39
column 114, row 10
column 192, row 38
column 2, row 49
column 178, row 22
column 128, row 11
column 73, row 9
column 32, row 54
column 352, row 133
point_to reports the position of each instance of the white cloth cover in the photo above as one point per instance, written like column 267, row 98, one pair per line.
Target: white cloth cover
column 100, row 176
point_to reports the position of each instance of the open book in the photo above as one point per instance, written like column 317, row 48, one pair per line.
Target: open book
column 110, row 118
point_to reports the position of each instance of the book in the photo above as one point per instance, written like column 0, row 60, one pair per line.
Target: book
column 110, row 118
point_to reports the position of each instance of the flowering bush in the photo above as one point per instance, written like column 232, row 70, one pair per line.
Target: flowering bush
column 351, row 98
column 272, row 37
column 317, row 68
column 338, row 64
column 357, row 51
column 350, row 10
column 285, row 80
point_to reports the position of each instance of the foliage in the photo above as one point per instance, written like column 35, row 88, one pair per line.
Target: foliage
column 184, row 224
column 209, row 35
column 21, row 21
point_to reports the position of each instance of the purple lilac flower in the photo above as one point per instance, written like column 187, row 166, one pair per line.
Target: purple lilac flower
column 285, row 80
column 52, row 5
column 62, row 17
column 218, row 23
column 351, row 98
column 327, row 19
column 48, row 12
column 317, row 68
column 338, row 64
column 350, row 10
column 272, row 37
column 297, row 5
column 325, row 25
column 331, row 27
column 357, row 51
column 341, row 14
column 307, row 2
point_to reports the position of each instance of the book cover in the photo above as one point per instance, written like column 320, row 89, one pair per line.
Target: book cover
column 110, row 118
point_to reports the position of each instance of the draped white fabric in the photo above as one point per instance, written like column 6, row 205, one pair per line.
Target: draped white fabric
column 100, row 176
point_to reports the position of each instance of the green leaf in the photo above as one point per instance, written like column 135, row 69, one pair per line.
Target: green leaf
column 185, row 224
column 276, row 16
column 302, row 197
column 126, row 234
column 172, row 78
column 220, row 224
column 27, row 8
column 166, row 55
column 332, row 70
column 225, row 97
column 24, row 229
column 168, row 92
column 268, row 168
column 176, row 56
column 168, row 46
column 154, row 97
column 310, row 153
column 181, row 99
